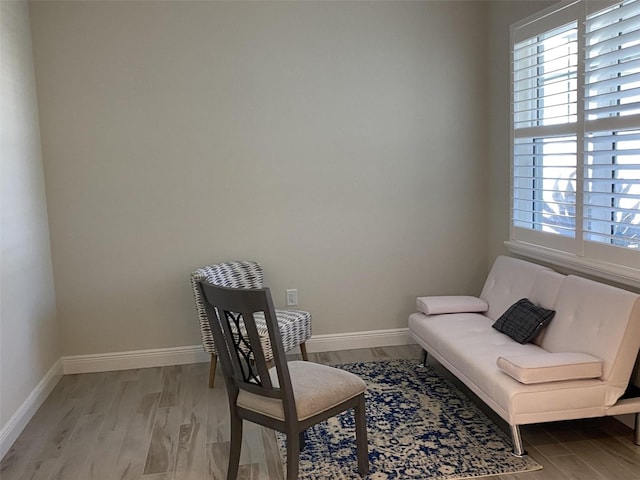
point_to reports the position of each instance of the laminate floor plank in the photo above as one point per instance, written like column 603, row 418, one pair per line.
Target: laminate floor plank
column 164, row 423
column 549, row 470
column 618, row 438
column 43, row 437
column 132, row 456
column 217, row 459
column 321, row 357
column 158, row 476
column 84, row 386
column 122, row 406
column 79, row 450
column 40, row 470
column 608, row 464
column 618, row 448
column 194, row 395
column 171, row 385
column 193, row 400
column 20, row 458
column 163, row 446
column 250, row 471
column 103, row 392
column 272, row 457
column 585, row 444
column 252, row 445
column 118, row 418
column 545, row 443
column 217, row 414
column 54, row 439
column 576, row 469
column 190, row 455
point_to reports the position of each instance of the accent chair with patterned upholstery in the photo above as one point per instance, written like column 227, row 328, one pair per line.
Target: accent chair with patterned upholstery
column 294, row 325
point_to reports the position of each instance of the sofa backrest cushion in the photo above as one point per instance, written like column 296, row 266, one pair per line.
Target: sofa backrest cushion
column 545, row 293
column 546, row 286
column 600, row 320
column 509, row 280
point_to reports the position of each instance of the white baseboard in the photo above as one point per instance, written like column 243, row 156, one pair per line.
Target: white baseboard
column 160, row 357
column 354, row 340
column 12, row 429
column 156, row 357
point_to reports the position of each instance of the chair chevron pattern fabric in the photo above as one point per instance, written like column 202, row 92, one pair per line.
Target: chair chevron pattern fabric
column 295, row 325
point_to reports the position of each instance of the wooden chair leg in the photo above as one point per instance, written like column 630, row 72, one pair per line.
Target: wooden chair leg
column 303, row 350
column 236, row 447
column 293, row 455
column 361, row 437
column 212, row 369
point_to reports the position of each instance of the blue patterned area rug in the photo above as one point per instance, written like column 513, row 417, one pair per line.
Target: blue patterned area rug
column 419, row 426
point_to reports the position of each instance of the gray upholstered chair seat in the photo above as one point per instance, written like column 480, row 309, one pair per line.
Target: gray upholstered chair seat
column 316, row 388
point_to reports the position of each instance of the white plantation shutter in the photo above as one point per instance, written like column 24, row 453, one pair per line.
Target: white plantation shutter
column 545, row 78
column 612, row 126
column 545, row 113
column 576, row 135
column 544, row 184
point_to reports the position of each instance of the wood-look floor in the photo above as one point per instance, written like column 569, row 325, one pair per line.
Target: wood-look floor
column 164, row 423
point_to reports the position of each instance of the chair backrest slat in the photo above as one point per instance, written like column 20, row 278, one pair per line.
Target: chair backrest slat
column 257, row 352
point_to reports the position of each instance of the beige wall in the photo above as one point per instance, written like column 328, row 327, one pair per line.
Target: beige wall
column 28, row 328
column 342, row 144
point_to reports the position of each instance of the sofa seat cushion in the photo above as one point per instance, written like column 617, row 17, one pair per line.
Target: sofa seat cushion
column 450, row 304
column 550, row 367
column 468, row 346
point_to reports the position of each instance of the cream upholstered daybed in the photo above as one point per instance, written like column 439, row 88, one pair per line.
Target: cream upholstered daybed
column 577, row 366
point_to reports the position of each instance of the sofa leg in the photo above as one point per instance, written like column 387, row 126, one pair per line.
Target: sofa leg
column 636, row 435
column 423, row 358
column 518, row 449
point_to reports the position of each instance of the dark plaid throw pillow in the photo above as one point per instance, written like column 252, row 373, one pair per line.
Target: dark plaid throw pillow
column 523, row 321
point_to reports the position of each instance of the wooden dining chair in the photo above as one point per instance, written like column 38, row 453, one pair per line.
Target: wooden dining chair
column 289, row 397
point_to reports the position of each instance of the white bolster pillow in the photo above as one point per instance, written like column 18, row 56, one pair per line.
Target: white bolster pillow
column 550, row 367
column 451, row 304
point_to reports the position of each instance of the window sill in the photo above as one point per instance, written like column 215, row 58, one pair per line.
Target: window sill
column 607, row 271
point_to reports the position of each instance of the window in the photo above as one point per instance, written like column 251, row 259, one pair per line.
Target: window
column 576, row 137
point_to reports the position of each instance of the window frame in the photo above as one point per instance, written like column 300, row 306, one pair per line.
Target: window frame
column 617, row 264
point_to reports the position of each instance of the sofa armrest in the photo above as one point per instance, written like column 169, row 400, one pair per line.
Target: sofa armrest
column 451, row 304
column 550, row 367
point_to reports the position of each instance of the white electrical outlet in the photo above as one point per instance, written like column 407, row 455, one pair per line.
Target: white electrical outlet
column 292, row 297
